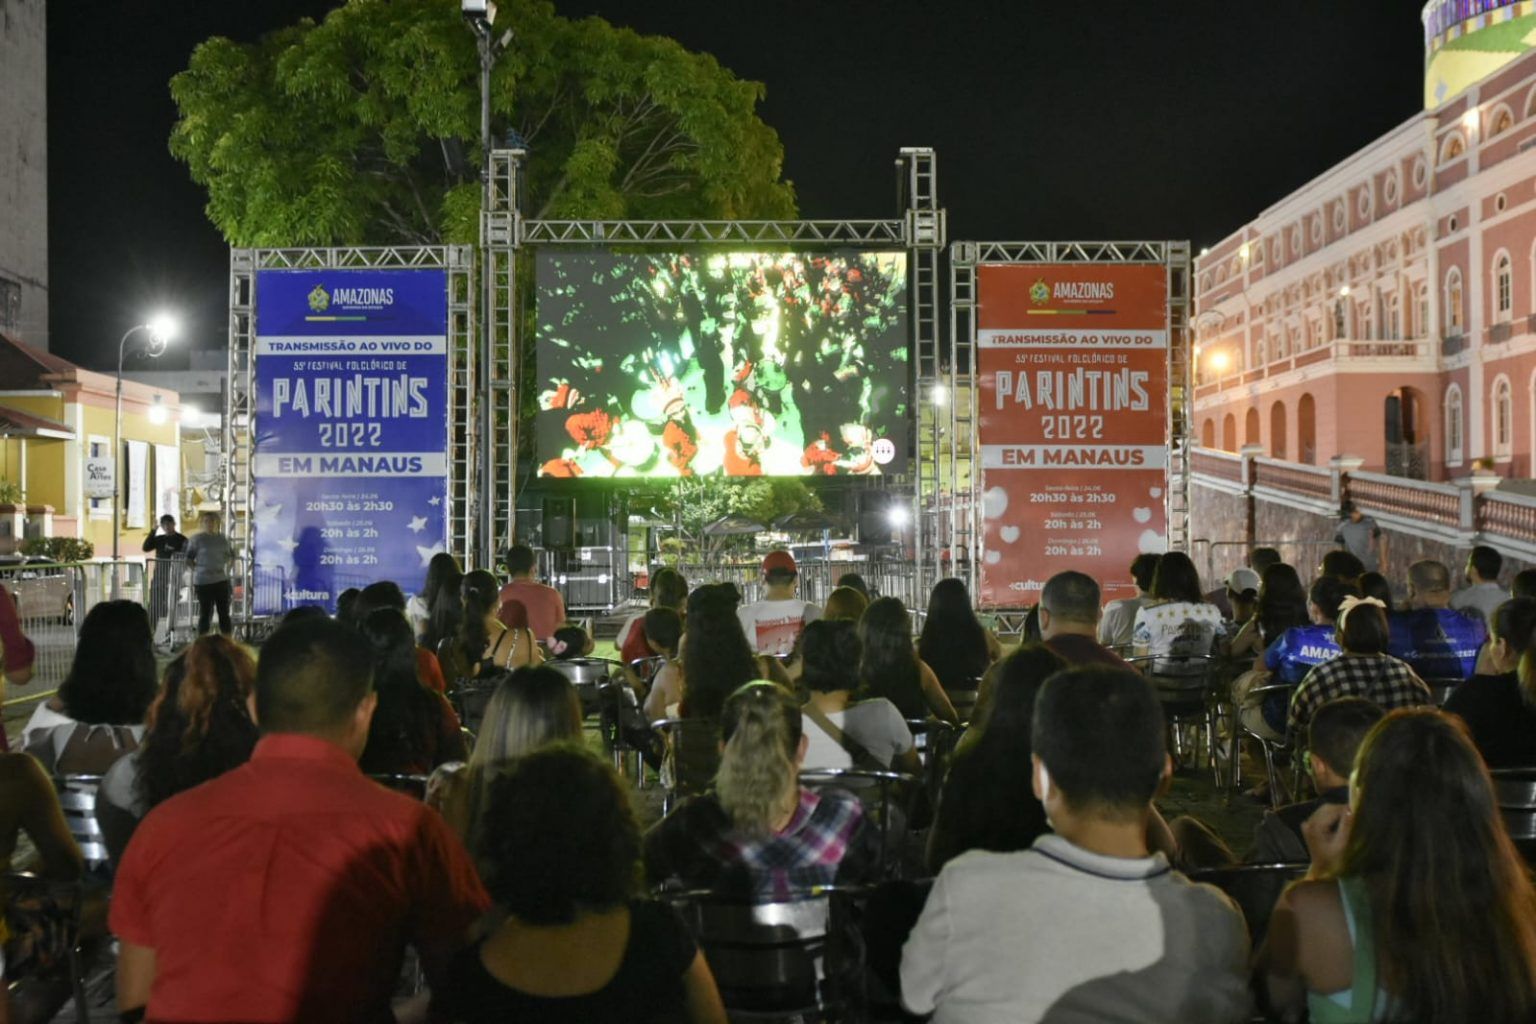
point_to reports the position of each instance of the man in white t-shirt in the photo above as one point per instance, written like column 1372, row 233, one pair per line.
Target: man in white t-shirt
column 773, row 624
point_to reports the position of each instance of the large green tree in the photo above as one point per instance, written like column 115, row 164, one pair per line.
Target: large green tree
column 364, row 128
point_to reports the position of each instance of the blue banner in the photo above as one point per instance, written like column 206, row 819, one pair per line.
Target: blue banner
column 350, row 440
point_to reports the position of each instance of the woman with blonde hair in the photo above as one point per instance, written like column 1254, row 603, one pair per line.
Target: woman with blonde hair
column 759, row 832
column 531, row 708
column 845, row 603
column 1417, row 907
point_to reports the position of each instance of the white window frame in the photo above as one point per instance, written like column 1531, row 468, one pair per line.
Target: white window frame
column 1502, row 410
column 1455, row 426
column 1503, row 287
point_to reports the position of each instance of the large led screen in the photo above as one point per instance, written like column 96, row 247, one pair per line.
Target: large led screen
column 722, row 364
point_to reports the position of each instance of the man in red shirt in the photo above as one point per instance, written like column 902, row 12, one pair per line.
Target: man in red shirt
column 545, row 607
column 288, row 888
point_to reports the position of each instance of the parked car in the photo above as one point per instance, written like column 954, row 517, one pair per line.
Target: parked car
column 42, row 589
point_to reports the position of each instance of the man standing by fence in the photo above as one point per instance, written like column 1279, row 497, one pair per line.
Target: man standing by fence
column 168, row 547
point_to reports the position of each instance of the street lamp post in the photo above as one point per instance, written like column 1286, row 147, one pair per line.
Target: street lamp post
column 161, row 330
column 481, row 15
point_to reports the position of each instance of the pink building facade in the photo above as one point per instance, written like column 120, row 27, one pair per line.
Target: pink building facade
column 1386, row 311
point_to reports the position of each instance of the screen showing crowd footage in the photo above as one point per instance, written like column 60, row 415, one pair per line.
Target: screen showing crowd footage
column 722, row 364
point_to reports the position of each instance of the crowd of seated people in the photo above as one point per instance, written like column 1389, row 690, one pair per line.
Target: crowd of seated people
column 251, row 852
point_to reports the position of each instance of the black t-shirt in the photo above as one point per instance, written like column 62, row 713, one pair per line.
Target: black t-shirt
column 164, row 545
column 648, row 985
column 1503, row 726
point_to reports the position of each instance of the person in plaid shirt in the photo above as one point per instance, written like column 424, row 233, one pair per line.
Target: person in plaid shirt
column 760, row 833
column 1363, row 670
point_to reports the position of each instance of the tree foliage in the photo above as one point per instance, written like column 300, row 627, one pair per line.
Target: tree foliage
column 364, row 128
column 695, row 502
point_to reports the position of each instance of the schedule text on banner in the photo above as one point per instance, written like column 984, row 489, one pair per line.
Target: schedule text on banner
column 1072, row 406
column 349, row 460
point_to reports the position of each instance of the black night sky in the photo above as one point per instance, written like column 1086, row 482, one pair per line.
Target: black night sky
column 1051, row 120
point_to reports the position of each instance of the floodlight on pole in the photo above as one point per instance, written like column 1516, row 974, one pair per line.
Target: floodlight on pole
column 159, row 331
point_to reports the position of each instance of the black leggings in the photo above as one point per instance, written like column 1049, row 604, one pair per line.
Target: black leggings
column 209, row 596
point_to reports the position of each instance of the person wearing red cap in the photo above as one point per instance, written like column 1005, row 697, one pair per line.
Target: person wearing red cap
column 773, row 624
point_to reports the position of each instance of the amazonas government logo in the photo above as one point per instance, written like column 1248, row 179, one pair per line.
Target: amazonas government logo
column 1040, row 293
column 319, row 299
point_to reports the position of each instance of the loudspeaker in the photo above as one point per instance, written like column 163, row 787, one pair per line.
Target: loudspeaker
column 559, row 524
column 875, row 525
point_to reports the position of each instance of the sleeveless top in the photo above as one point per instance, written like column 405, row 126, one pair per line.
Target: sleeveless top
column 1364, row 1002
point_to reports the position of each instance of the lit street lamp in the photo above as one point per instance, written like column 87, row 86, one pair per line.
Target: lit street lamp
column 160, row 330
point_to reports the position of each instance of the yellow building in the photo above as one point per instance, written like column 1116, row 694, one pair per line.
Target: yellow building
column 53, row 415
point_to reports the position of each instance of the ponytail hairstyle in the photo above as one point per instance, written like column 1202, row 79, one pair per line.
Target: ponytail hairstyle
column 1514, row 622
column 760, row 727
column 1362, row 626
column 480, row 592
column 669, row 589
column 445, row 605
column 199, row 725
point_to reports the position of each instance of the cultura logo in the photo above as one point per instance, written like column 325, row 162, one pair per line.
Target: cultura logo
column 1040, row 293
column 319, row 299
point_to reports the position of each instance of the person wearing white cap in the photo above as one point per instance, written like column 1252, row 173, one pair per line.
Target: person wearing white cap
column 773, row 624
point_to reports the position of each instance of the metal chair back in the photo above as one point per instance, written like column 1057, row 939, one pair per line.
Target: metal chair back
column 1254, row 888
column 692, row 756
column 964, row 702
column 889, row 799
column 77, row 798
column 1189, row 687
column 1515, row 790
column 587, row 675
column 414, row 786
column 1271, row 747
column 470, row 697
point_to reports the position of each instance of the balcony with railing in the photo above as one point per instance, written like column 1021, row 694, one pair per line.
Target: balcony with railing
column 1401, row 355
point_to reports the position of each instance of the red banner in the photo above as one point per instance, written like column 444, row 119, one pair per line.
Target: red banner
column 1072, row 400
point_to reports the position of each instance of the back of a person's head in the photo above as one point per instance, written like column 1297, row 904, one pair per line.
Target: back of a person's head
column 443, row 573
column 1144, row 567
column 713, row 597
column 1374, row 584
column 1362, row 628
column 760, row 726
column 1099, row 732
column 716, row 656
column 1514, row 622
column 1328, row 592
column 382, row 594
column 480, row 592
column 845, row 603
column 952, row 634
column 1260, row 559
column 1282, row 600
column 393, row 645
column 346, row 601
column 1524, row 584
column 1176, row 579
column 311, row 677
column 1341, row 565
column 302, row 612
column 1429, row 576
column 1487, row 562
column 829, row 655
column 520, row 559
column 669, row 589
column 529, row 709
column 1007, row 710
column 112, row 678
column 198, row 725
column 949, row 598
column 570, row 641
column 559, row 838
column 1071, row 597
column 663, row 627
column 1338, row 728
column 1428, row 840
column 854, row 580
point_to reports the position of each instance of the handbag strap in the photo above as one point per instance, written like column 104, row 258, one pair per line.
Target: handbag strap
column 857, row 752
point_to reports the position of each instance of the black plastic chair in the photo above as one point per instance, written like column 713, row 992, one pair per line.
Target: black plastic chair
column 788, row 960
column 692, row 756
column 1189, row 686
column 77, row 798
column 1515, row 790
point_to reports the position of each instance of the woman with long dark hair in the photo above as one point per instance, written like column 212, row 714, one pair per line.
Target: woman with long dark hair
column 716, row 658
column 1282, row 606
column 954, row 643
column 98, row 715
column 889, row 666
column 1407, row 880
column 987, row 802
column 414, row 729
column 760, row 832
column 1176, row 621
column 435, row 612
column 198, row 728
column 1499, row 703
column 484, row 643
column 844, row 732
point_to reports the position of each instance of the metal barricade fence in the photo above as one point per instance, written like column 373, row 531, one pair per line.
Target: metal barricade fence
column 884, row 577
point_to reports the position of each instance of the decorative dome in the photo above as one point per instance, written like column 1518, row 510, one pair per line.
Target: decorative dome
column 1468, row 40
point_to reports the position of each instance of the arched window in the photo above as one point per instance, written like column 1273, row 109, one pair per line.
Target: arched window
column 1502, row 121
column 1208, row 433
column 1421, row 311
column 1338, row 318
column 1453, row 425
column 1455, row 318
column 1306, row 430
column 1503, row 287
column 1394, row 317
column 1277, row 430
column 1251, row 428
column 1366, row 321
column 1229, row 433
column 1453, row 148
column 1259, row 354
column 1503, row 422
